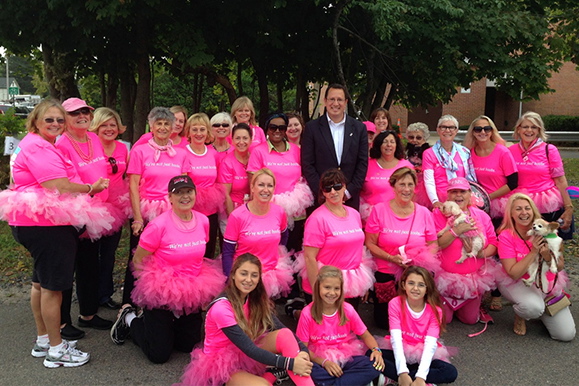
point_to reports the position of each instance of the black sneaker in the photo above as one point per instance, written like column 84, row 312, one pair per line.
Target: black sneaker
column 70, row 332
column 96, row 322
column 281, row 375
column 293, row 305
column 121, row 330
column 111, row 304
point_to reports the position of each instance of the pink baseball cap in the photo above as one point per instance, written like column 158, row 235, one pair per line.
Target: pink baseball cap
column 73, row 104
column 371, row 127
column 458, row 183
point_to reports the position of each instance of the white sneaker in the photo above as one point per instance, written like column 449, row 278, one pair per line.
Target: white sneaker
column 39, row 351
column 66, row 357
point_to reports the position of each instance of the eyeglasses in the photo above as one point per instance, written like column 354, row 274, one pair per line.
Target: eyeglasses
column 478, row 129
column 530, row 127
column 220, row 125
column 336, row 187
column 418, row 138
column 76, row 113
column 60, row 121
column 114, row 165
column 273, row 127
column 447, row 128
column 413, row 284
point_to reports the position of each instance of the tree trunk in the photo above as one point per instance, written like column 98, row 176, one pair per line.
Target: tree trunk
column 128, row 87
column 60, row 70
column 224, row 81
column 142, row 100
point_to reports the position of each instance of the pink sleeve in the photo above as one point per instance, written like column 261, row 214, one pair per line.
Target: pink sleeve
column 305, row 321
column 430, row 230
column 428, row 159
column 440, row 220
column 223, row 314
column 555, row 163
column 506, row 245
column 358, row 326
column 150, row 239
column 256, row 160
column 433, row 326
column 135, row 162
column 394, row 314
column 45, row 165
column 205, row 223
column 233, row 224
column 373, row 223
column 507, row 163
column 314, row 235
column 225, row 173
column 490, row 233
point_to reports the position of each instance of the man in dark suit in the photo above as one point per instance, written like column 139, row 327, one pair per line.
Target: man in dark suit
column 336, row 140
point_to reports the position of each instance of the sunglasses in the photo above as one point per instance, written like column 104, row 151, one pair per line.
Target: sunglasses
column 60, row 121
column 418, row 138
column 220, row 125
column 83, row 111
column 478, row 129
column 114, row 165
column 336, row 187
column 273, row 127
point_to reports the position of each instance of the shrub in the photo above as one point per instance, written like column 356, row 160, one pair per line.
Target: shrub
column 561, row 123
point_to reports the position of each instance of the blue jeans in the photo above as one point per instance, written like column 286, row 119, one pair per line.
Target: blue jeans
column 440, row 371
column 358, row 371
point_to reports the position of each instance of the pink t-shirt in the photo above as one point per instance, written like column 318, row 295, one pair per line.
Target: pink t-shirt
column 89, row 171
column 174, row 244
column 155, row 175
column 147, row 136
column 202, row 168
column 340, row 239
column 329, row 332
column 219, row 316
column 537, row 172
column 393, row 231
column 231, row 171
column 285, row 165
column 117, row 184
column 492, row 170
column 376, row 186
column 414, row 330
column 220, row 155
column 35, row 161
column 257, row 136
column 452, row 253
column 259, row 235
column 430, row 162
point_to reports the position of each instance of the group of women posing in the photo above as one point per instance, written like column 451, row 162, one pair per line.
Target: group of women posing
column 192, row 179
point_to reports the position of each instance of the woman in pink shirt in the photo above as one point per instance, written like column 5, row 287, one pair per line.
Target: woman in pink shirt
column 295, row 128
column 541, row 172
column 179, row 136
column 260, row 228
column 243, row 336
column 518, row 251
column 386, row 156
column 398, row 232
column 201, row 166
column 381, row 118
column 221, row 124
column 445, row 161
column 174, row 281
column 107, row 125
column 462, row 285
column 334, row 236
column 242, row 111
column 46, row 206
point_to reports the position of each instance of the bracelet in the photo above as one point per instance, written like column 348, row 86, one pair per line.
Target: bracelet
column 570, row 206
column 376, row 349
column 452, row 232
column 138, row 222
column 324, row 361
column 89, row 188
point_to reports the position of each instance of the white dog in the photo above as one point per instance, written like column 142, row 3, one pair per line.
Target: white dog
column 472, row 241
column 549, row 231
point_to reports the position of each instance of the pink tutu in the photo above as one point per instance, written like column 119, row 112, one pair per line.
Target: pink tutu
column 365, row 210
column 119, row 214
column 176, row 288
column 215, row 370
column 547, row 201
column 278, row 281
column 150, row 209
column 504, row 280
column 294, row 203
column 77, row 210
column 470, row 285
column 356, row 281
column 339, row 353
column 422, row 256
column 123, row 201
column 413, row 354
column 210, row 199
column 498, row 206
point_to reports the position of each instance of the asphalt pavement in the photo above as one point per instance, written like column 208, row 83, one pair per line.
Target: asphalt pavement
column 496, row 357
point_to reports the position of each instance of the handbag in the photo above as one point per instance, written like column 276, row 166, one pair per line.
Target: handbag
column 554, row 304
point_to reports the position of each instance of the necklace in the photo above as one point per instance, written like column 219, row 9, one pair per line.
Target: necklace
column 76, row 146
column 341, row 212
column 403, row 211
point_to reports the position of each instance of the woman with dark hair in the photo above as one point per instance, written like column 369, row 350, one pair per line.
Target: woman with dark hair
column 417, row 133
column 295, row 128
column 381, row 118
column 174, row 281
column 386, row 156
column 243, row 336
column 398, row 232
column 334, row 236
column 46, row 207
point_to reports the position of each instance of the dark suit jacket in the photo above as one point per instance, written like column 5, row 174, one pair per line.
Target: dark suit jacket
column 318, row 155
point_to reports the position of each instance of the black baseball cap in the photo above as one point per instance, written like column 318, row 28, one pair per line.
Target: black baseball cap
column 181, row 181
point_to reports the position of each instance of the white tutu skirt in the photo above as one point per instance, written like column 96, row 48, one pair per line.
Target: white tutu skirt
column 210, row 200
column 469, row 285
column 176, row 288
column 339, row 353
column 356, row 281
column 151, row 209
column 413, row 354
column 547, row 201
column 294, row 203
column 216, row 369
column 365, row 210
column 78, row 210
column 279, row 280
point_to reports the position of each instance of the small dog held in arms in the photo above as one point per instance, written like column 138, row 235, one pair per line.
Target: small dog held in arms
column 472, row 241
column 549, row 231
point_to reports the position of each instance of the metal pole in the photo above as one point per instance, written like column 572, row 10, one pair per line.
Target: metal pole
column 7, row 79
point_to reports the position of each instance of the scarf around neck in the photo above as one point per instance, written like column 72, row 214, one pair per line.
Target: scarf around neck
column 449, row 164
column 158, row 149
